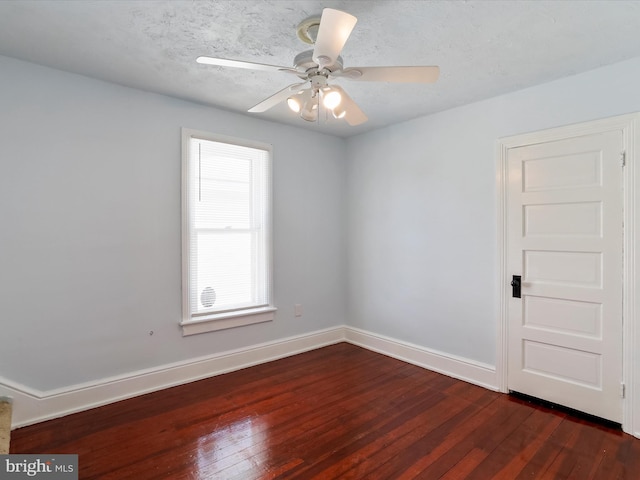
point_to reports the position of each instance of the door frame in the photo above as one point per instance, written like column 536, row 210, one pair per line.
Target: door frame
column 629, row 125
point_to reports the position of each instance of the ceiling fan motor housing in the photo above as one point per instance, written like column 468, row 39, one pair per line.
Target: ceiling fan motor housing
column 305, row 64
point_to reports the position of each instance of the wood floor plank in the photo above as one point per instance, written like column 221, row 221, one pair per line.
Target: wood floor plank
column 512, row 455
column 488, row 435
column 455, row 434
column 539, row 463
column 339, row 412
column 385, row 436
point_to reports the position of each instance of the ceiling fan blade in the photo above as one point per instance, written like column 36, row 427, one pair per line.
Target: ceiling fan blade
column 333, row 32
column 276, row 98
column 422, row 74
column 353, row 116
column 225, row 62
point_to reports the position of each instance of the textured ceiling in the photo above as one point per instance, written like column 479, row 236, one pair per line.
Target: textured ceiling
column 484, row 48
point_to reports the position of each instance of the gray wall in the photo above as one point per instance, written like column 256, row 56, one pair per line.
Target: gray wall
column 422, row 210
column 90, row 228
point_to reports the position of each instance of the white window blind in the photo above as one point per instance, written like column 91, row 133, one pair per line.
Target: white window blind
column 228, row 232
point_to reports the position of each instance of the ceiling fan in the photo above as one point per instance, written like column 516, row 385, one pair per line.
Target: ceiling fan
column 329, row 34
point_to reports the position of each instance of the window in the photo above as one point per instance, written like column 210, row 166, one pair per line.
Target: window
column 226, row 232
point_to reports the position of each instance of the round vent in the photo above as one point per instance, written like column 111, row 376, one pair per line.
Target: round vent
column 208, row 297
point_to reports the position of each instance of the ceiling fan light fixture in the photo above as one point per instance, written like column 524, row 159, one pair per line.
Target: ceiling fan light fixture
column 294, row 103
column 339, row 112
column 309, row 111
column 309, row 115
column 332, row 99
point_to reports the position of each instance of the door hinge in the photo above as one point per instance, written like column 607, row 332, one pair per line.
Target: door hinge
column 623, row 158
column 622, row 390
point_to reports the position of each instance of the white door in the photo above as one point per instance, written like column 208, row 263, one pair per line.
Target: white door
column 565, row 238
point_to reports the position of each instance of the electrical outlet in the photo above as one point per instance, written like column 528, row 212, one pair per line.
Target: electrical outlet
column 297, row 310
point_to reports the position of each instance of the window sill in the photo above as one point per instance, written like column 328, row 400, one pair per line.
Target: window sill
column 221, row 321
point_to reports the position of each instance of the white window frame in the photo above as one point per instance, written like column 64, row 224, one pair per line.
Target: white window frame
column 218, row 321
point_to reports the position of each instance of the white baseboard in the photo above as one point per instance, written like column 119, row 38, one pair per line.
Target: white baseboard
column 32, row 406
column 461, row 368
column 26, row 401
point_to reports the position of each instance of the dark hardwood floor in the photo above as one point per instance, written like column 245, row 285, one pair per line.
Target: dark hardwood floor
column 340, row 412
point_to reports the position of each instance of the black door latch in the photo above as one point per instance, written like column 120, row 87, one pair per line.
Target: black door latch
column 516, row 284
